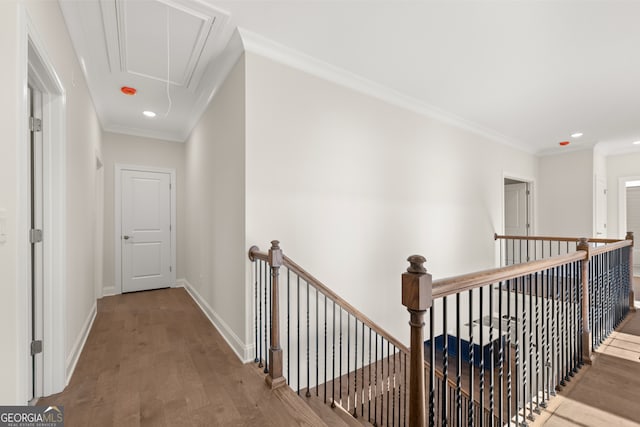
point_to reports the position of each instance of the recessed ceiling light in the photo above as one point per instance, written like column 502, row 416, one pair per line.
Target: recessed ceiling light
column 636, row 142
column 149, row 113
column 576, row 135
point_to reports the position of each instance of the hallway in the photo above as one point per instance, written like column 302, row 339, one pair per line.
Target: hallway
column 153, row 359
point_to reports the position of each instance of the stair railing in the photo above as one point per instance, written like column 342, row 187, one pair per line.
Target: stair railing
column 330, row 349
column 499, row 343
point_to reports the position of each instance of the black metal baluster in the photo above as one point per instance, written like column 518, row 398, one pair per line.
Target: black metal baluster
column 289, row 327
column 267, row 313
column 458, row 365
column 491, row 358
column 502, row 341
column 471, row 360
column 370, row 383
column 404, row 406
column 333, row 358
column 538, row 325
column 308, row 393
column 340, row 360
column 445, row 361
column 388, row 379
column 508, row 355
column 518, row 364
column 393, row 388
column 375, row 388
column 362, row 384
column 317, row 344
column 298, row 330
column 554, row 318
column 526, row 282
column 481, row 347
column 432, row 366
column 348, row 362
column 260, row 317
column 355, row 371
column 325, row 349
column 255, row 309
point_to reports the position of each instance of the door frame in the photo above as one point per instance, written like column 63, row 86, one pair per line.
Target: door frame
column 36, row 67
column 530, row 200
column 622, row 204
column 117, row 215
column 530, row 210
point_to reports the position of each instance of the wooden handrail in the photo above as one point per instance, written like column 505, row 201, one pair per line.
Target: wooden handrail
column 254, row 253
column 465, row 282
column 555, row 238
column 610, row 247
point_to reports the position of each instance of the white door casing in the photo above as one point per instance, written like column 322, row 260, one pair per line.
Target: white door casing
column 145, row 234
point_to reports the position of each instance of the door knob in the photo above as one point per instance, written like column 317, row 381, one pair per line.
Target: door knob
column 126, row 237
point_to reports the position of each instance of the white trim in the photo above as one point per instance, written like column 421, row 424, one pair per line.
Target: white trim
column 54, row 246
column 78, row 345
column 243, row 351
column 262, row 46
column 118, row 168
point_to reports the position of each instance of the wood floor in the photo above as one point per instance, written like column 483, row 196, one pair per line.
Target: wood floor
column 608, row 392
column 153, row 359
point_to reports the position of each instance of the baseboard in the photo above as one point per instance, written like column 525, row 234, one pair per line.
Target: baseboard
column 72, row 359
column 108, row 291
column 244, row 352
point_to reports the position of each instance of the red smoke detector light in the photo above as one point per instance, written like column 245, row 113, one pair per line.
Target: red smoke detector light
column 128, row 90
column 563, row 143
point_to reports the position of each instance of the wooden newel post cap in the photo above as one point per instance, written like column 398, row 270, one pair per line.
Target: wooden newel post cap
column 416, row 285
column 629, row 235
column 583, row 244
column 275, row 254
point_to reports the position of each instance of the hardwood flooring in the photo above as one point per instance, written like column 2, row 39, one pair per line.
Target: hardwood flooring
column 153, row 359
column 607, row 392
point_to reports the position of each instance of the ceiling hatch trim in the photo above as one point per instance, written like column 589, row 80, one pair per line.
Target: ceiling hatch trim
column 136, row 38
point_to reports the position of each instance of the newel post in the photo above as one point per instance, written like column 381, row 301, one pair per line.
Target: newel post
column 416, row 296
column 275, row 378
column 632, row 304
column 583, row 245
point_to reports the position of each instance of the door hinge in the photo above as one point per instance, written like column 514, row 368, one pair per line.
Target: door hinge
column 36, row 347
column 170, row 269
column 35, row 235
column 169, row 186
column 35, row 125
column 528, row 225
column 528, row 192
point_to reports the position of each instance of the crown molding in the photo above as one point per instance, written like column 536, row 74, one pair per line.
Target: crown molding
column 262, row 46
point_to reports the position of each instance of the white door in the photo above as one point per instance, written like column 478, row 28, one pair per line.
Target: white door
column 516, row 219
column 146, row 230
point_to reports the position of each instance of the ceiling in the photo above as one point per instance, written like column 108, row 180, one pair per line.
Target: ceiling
column 526, row 73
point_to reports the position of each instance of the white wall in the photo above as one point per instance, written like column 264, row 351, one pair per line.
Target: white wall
column 352, row 185
column 83, row 141
column 133, row 150
column 215, row 252
column 565, row 194
column 620, row 166
column 9, row 375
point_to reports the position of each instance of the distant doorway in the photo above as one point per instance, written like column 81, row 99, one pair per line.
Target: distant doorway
column 517, row 214
column 630, row 215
